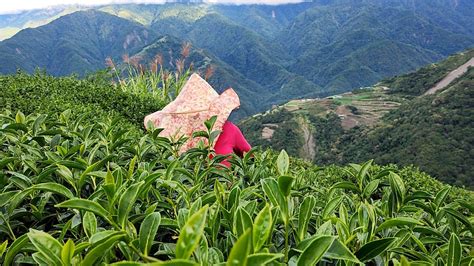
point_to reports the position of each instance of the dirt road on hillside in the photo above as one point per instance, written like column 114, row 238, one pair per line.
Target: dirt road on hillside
column 450, row 77
column 309, row 144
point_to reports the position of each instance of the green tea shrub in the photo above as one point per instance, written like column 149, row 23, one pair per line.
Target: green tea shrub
column 40, row 93
column 84, row 192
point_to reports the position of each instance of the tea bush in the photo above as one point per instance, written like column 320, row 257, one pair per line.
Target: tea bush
column 78, row 192
column 96, row 97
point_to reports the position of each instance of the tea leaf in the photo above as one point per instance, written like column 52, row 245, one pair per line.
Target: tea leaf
column 55, row 188
column 191, row 234
column 461, row 218
column 346, row 185
column 148, row 230
column 210, row 122
column 441, row 196
column 49, row 247
column 339, row 251
column 85, row 205
column 20, row 118
column 89, row 222
column 262, row 228
column 242, row 221
column 3, row 247
column 398, row 192
column 239, row 254
column 271, row 188
column 314, row 252
column 283, row 163
column 67, row 252
column 263, row 258
column 331, row 206
column 6, row 197
column 41, row 259
column 362, row 174
column 102, row 235
column 101, row 249
column 455, row 251
column 325, row 229
column 126, row 202
column 14, row 248
column 305, row 213
column 131, row 167
column 399, row 221
column 374, row 248
column 284, row 183
column 371, row 187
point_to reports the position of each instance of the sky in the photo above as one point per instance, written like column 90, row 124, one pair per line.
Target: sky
column 8, row 6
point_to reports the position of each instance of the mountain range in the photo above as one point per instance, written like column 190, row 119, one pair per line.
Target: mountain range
column 406, row 119
column 269, row 54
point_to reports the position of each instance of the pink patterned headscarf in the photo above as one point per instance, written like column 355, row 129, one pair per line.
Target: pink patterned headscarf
column 196, row 103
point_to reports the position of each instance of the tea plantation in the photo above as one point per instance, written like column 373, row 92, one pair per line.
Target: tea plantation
column 81, row 183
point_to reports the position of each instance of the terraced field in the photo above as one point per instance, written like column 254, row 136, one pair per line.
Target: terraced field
column 360, row 108
column 302, row 120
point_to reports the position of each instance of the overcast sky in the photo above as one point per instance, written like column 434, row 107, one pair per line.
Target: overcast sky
column 12, row 6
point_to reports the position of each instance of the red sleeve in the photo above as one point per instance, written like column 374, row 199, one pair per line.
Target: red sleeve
column 240, row 143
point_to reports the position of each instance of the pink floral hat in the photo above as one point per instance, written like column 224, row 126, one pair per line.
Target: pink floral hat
column 196, row 103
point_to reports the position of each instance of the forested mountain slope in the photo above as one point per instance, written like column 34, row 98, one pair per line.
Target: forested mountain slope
column 76, row 43
column 391, row 122
column 289, row 51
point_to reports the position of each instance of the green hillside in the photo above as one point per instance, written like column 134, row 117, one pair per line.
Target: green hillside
column 81, row 183
column 359, row 44
column 76, row 43
column 385, row 122
column 434, row 132
column 418, row 82
column 257, row 59
column 278, row 52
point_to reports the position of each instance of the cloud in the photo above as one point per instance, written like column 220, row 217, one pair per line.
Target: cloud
column 21, row 5
column 263, row 2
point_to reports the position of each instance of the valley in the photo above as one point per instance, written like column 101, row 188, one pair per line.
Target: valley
column 382, row 122
column 269, row 54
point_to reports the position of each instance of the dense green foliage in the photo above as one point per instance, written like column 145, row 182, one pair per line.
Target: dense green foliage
column 256, row 58
column 82, row 193
column 326, row 134
column 95, row 96
column 348, row 44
